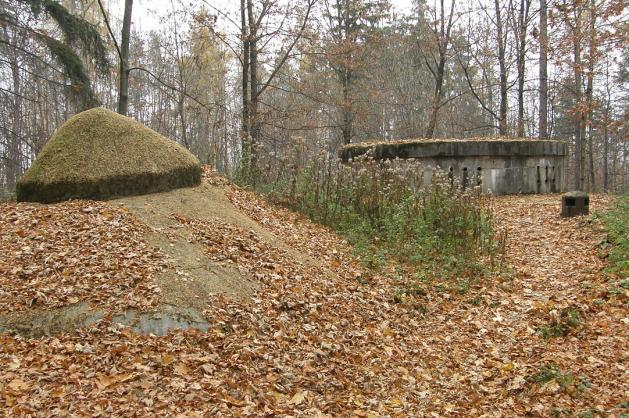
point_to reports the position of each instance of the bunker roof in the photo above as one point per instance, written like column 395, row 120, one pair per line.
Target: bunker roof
column 453, row 148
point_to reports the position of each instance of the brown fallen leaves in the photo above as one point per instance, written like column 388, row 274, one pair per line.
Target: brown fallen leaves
column 58, row 255
column 314, row 341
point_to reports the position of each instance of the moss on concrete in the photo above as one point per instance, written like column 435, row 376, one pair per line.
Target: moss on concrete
column 452, row 147
column 99, row 154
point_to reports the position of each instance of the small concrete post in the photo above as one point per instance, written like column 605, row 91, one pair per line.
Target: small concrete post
column 574, row 204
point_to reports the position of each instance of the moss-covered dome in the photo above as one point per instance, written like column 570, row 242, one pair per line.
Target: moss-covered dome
column 99, row 154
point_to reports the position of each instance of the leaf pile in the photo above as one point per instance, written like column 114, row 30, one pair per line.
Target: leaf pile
column 58, row 255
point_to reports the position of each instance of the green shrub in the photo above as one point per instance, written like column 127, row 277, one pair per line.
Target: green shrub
column 567, row 381
column 6, row 196
column 382, row 210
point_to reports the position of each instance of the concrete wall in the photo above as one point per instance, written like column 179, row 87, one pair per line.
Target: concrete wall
column 500, row 167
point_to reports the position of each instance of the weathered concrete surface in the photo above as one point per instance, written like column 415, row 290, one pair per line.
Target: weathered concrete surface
column 456, row 148
column 575, row 203
column 496, row 166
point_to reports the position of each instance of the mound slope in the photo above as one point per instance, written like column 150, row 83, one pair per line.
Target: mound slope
column 99, row 154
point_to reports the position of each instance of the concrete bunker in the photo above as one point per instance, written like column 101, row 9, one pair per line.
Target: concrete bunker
column 500, row 166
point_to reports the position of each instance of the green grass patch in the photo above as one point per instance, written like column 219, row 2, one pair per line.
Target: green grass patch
column 566, row 381
column 616, row 224
column 6, row 196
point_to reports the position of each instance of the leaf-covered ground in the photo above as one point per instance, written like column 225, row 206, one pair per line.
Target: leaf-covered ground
column 327, row 339
column 58, row 255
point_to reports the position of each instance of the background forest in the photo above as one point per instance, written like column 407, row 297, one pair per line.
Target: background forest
column 263, row 88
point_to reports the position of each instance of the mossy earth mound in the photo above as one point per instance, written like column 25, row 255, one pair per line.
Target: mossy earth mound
column 99, row 154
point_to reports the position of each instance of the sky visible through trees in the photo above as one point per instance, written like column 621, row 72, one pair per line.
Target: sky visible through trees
column 299, row 79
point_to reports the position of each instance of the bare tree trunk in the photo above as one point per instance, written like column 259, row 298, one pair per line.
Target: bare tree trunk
column 589, row 92
column 443, row 40
column 605, row 157
column 254, row 123
column 523, row 16
column 123, row 93
column 436, row 102
column 606, row 121
column 182, row 90
column 245, row 79
column 182, row 119
column 592, row 178
column 543, row 69
column 625, row 169
column 347, row 126
column 578, row 151
column 502, row 121
column 579, row 125
column 14, row 154
column 253, row 73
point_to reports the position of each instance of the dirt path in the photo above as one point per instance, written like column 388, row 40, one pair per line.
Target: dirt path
column 488, row 358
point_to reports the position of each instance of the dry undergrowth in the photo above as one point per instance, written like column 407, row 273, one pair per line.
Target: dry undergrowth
column 411, row 141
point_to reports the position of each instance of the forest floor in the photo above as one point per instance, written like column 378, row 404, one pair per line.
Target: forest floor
column 301, row 329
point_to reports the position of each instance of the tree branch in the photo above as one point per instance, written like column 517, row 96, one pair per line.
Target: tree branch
column 288, row 51
column 111, row 32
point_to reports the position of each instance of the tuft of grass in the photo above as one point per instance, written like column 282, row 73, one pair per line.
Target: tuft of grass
column 591, row 413
column 564, row 322
column 567, row 381
column 567, row 412
column 475, row 301
column 6, row 196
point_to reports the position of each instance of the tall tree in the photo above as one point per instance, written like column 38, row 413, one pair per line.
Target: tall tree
column 123, row 53
column 606, row 126
column 486, row 49
column 123, row 92
column 247, row 146
column 571, row 13
column 520, row 20
column 501, row 34
column 77, row 34
column 543, row 69
column 43, row 45
column 252, row 21
column 350, row 24
column 437, row 65
column 589, row 89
